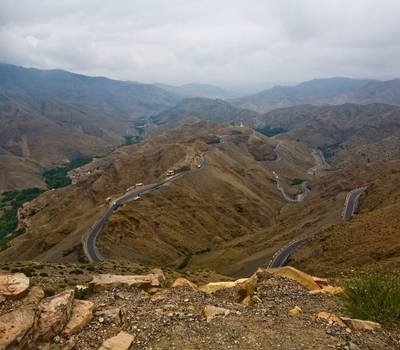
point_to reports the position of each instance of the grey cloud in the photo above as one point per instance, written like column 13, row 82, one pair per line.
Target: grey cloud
column 226, row 42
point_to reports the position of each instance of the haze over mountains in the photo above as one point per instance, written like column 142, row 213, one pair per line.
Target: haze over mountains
column 332, row 91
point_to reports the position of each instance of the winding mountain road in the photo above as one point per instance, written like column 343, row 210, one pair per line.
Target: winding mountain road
column 351, row 203
column 300, row 197
column 321, row 163
column 89, row 240
column 281, row 256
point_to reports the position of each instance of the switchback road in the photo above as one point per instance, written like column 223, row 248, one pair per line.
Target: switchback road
column 281, row 256
column 351, row 203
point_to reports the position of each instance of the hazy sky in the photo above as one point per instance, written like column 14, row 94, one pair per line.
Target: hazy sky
column 226, row 42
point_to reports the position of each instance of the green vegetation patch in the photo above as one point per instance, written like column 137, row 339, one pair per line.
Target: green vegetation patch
column 268, row 131
column 374, row 297
column 10, row 202
column 296, row 181
column 57, row 177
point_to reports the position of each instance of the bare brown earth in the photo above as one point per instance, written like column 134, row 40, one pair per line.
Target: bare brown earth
column 19, row 172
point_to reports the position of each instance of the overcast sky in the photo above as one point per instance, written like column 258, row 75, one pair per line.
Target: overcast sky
column 225, row 42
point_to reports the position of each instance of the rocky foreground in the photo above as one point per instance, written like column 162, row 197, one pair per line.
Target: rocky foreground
column 273, row 309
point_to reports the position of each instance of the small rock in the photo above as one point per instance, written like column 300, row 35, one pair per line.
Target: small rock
column 211, row 312
column 330, row 318
column 295, row 311
column 112, row 314
column 353, row 346
column 183, row 282
column 122, row 341
column 14, row 286
column 328, row 290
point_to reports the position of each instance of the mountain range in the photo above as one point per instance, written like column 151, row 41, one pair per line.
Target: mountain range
column 332, row 91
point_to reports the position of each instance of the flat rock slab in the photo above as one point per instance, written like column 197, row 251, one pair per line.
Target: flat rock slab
column 122, row 341
column 357, row 324
column 106, row 281
column 307, row 281
column 216, row 286
column 14, row 286
column 81, row 315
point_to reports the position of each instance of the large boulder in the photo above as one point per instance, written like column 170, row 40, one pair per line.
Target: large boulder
column 14, row 286
column 54, row 313
column 307, row 281
column 81, row 315
column 107, row 281
column 360, row 324
column 122, row 341
column 16, row 328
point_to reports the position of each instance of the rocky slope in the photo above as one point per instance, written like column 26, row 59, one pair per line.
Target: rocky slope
column 273, row 309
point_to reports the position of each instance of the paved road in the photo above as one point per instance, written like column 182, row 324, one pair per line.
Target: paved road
column 321, row 163
column 351, row 203
column 300, row 197
column 89, row 240
column 280, row 257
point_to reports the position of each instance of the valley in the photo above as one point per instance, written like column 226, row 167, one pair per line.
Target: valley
column 206, row 190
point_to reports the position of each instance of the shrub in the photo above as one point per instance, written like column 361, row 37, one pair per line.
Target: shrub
column 373, row 297
column 268, row 131
column 49, row 292
column 296, row 181
column 185, row 262
column 82, row 293
column 90, row 268
column 28, row 271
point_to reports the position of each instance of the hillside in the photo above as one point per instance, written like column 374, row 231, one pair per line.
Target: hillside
column 199, row 90
column 193, row 110
column 50, row 117
column 66, row 214
column 332, row 91
column 346, row 133
column 370, row 240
